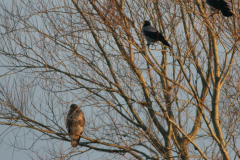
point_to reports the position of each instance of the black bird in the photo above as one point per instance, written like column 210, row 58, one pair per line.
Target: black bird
column 152, row 35
column 220, row 5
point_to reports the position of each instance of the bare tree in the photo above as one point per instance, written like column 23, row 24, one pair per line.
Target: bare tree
column 139, row 103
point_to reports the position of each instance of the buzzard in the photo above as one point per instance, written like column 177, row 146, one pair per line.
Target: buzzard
column 152, row 35
column 75, row 123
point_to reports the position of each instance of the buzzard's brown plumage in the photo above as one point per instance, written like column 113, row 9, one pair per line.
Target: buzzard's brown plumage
column 75, row 123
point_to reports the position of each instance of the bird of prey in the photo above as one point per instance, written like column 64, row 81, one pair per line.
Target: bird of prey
column 152, row 35
column 220, row 5
column 75, row 123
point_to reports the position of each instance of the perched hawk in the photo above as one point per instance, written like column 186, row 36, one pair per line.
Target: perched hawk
column 75, row 123
column 152, row 35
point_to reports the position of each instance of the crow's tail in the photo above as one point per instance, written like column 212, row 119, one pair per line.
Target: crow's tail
column 166, row 43
column 163, row 40
column 225, row 9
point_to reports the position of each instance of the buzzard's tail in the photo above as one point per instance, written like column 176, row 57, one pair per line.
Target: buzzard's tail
column 75, row 140
column 225, row 9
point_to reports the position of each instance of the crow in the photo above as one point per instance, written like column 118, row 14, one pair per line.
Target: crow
column 152, row 35
column 220, row 5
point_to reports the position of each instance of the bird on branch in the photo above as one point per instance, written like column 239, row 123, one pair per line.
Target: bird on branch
column 75, row 124
column 152, row 35
column 220, row 5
